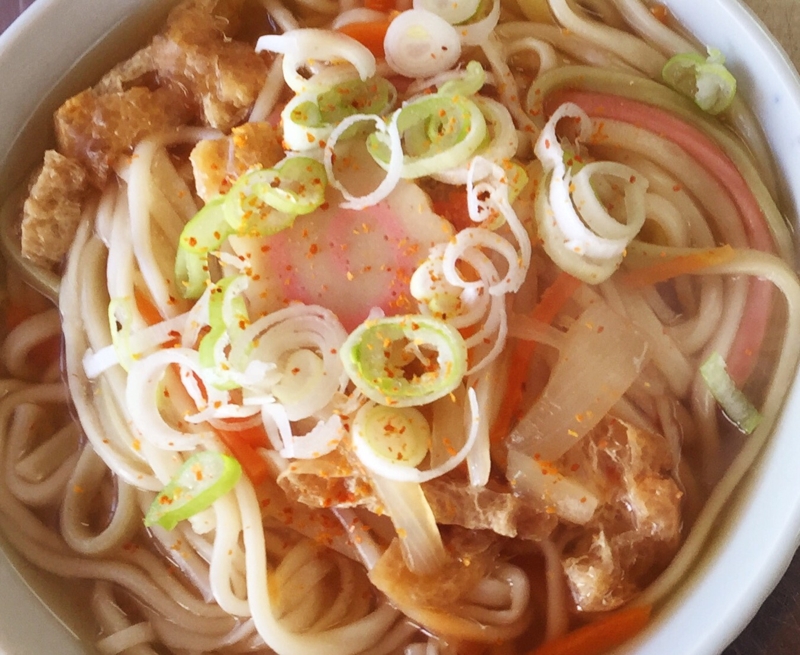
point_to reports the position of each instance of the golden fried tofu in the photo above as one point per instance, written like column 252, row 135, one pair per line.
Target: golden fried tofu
column 196, row 52
column 636, row 528
column 97, row 130
column 217, row 163
column 52, row 212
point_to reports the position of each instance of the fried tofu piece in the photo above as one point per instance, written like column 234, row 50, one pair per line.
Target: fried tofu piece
column 481, row 508
column 98, row 130
column 139, row 70
column 196, row 52
column 52, row 212
column 636, row 528
column 218, row 163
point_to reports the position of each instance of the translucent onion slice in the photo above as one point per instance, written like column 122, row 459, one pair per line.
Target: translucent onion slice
column 415, row 523
column 419, row 43
column 545, row 486
column 143, row 396
column 306, row 382
column 603, row 353
column 300, row 47
column 357, row 15
column 405, row 360
column 323, row 438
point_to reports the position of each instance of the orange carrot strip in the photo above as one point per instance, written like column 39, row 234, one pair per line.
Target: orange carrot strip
column 255, row 435
column 146, row 308
column 380, row 5
column 452, row 205
column 253, row 464
column 548, row 307
column 599, row 636
column 370, row 34
column 664, row 270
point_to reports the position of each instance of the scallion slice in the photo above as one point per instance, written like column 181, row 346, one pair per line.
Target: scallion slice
column 731, row 399
column 704, row 79
column 201, row 480
column 407, row 360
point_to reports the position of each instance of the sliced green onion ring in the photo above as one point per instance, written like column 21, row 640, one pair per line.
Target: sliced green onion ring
column 203, row 234
column 309, row 118
column 365, row 444
column 703, row 79
column 204, row 478
column 453, row 11
column 731, row 399
column 393, row 436
column 266, row 201
column 227, row 317
column 404, row 361
column 438, row 133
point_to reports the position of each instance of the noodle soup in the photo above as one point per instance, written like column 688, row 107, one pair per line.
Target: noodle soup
column 374, row 351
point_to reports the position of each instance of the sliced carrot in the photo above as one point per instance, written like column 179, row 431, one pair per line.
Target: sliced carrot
column 255, row 467
column 146, row 308
column 380, row 5
column 599, row 636
column 548, row 307
column 451, row 204
column 255, row 435
column 666, row 269
column 370, row 34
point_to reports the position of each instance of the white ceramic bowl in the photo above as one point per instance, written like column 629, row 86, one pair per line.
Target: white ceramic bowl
column 58, row 47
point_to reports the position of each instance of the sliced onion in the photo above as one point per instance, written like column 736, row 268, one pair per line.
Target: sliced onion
column 413, row 519
column 574, row 223
column 393, row 169
column 603, row 354
column 323, row 438
column 419, row 43
column 142, row 397
column 548, row 488
column 302, row 46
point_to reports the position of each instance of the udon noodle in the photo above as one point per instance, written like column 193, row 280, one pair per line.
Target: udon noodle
column 388, row 329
